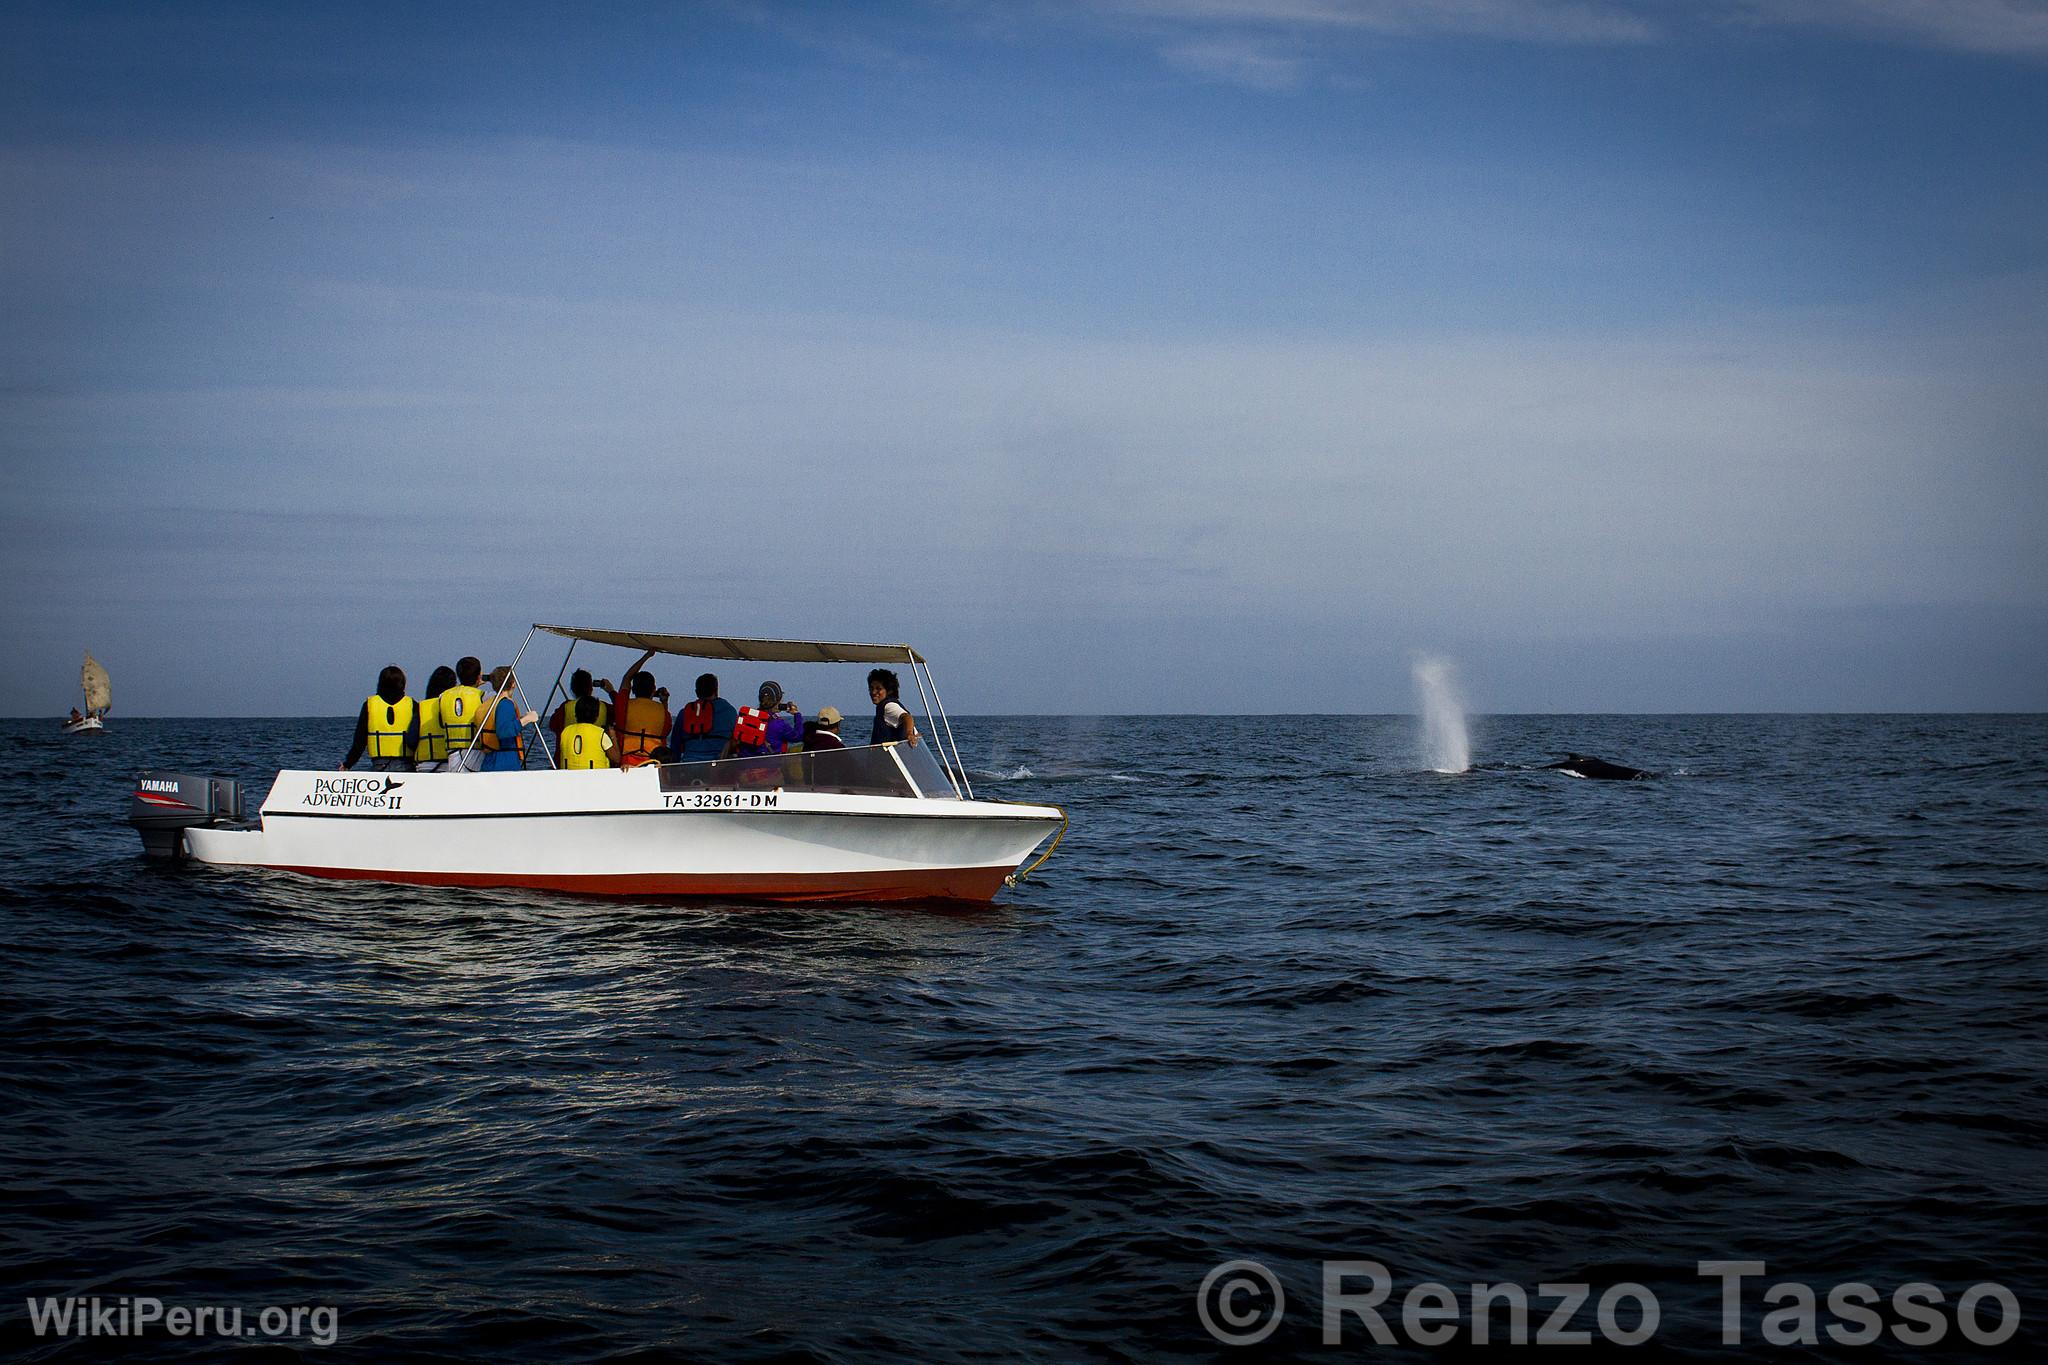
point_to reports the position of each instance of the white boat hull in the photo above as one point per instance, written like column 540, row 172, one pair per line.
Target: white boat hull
column 608, row 832
column 90, row 725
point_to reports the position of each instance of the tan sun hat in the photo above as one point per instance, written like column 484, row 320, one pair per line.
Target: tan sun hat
column 829, row 715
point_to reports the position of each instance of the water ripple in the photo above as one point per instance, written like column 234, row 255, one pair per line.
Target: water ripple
column 1784, row 1002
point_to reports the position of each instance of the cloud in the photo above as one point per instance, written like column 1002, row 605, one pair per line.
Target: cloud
column 1275, row 44
column 1541, row 21
column 834, row 41
column 936, row 484
column 1249, row 62
column 2003, row 27
column 665, row 404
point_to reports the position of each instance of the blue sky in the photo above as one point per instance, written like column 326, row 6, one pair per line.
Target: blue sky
column 1206, row 355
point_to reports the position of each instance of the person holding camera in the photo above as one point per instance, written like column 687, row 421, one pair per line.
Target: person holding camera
column 769, row 728
column 642, row 720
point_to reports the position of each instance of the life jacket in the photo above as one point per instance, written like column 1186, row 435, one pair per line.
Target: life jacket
column 751, row 729
column 583, row 746
column 698, row 718
column 433, row 745
column 389, row 720
column 461, row 707
column 643, row 728
column 488, row 740
column 884, row 732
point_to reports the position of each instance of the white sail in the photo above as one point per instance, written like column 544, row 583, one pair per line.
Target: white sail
column 99, row 689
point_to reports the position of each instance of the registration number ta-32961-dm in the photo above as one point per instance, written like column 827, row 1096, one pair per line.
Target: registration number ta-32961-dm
column 720, row 800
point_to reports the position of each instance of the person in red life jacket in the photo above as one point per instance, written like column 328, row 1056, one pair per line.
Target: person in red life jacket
column 643, row 720
column 387, row 728
column 823, row 733
column 705, row 725
column 579, row 688
column 765, row 729
column 892, row 722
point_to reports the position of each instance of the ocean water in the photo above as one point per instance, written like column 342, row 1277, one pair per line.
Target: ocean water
column 1282, row 995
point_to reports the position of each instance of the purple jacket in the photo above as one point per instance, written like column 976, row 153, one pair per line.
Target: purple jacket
column 784, row 729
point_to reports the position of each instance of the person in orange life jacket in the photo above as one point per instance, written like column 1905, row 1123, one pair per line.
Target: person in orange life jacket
column 579, row 688
column 892, row 721
column 387, row 728
column 642, row 721
column 823, row 733
column 704, row 725
column 767, row 728
column 500, row 744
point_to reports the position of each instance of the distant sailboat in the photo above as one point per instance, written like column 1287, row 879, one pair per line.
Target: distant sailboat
column 99, row 699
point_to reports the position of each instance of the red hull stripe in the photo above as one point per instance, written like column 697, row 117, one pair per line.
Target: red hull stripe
column 946, row 883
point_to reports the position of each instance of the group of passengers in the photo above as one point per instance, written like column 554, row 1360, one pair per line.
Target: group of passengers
column 457, row 727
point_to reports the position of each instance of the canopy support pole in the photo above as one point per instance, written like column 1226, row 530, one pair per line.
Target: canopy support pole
column 520, row 694
column 938, row 742
column 959, row 765
column 540, row 728
column 479, row 732
column 560, row 673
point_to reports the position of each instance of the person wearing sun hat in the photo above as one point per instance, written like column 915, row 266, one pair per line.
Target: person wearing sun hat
column 823, row 733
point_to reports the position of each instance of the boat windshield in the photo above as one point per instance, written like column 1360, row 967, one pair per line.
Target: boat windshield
column 868, row 771
column 927, row 770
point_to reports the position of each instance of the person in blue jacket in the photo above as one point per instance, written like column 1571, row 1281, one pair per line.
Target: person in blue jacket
column 704, row 725
column 501, row 745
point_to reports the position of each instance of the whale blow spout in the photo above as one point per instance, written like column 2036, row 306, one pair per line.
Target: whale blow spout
column 1445, row 745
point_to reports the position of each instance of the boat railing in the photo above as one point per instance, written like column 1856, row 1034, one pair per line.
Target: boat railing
column 871, row 770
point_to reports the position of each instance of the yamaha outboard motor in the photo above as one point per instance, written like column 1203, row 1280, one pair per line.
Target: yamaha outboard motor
column 166, row 804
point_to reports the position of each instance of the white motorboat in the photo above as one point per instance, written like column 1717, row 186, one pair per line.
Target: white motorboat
column 99, row 699
column 878, row 822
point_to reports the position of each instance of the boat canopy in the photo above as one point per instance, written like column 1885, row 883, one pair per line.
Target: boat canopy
column 742, row 647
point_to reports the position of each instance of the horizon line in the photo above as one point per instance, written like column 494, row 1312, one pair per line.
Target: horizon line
column 1209, row 715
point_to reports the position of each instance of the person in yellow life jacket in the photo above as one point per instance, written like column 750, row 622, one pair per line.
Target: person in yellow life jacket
column 500, row 738
column 585, row 743
column 579, row 688
column 462, row 709
column 433, row 746
column 642, row 721
column 388, row 726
